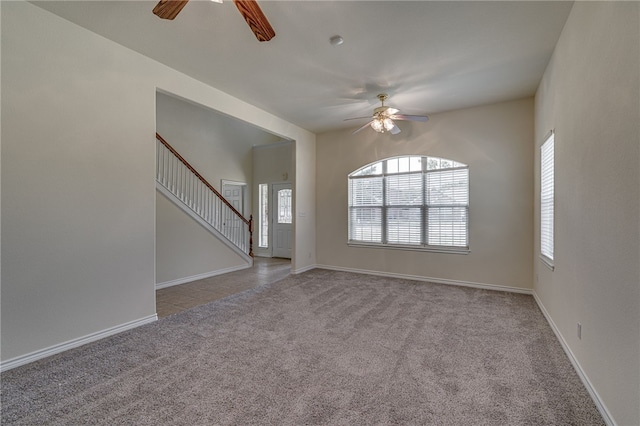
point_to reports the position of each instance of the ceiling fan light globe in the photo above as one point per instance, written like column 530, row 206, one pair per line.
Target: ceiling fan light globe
column 377, row 125
column 388, row 124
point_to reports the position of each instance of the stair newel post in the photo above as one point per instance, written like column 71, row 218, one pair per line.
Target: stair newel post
column 250, row 227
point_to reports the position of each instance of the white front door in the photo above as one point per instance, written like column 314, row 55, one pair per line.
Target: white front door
column 281, row 219
column 234, row 194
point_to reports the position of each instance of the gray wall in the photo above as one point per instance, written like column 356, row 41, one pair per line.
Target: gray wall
column 77, row 183
column 78, row 191
column 590, row 95
column 495, row 141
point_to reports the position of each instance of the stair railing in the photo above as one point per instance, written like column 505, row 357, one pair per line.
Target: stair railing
column 180, row 178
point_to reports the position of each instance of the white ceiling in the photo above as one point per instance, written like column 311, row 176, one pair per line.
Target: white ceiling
column 428, row 56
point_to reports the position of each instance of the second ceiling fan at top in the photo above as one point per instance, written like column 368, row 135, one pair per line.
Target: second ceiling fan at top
column 249, row 9
column 383, row 116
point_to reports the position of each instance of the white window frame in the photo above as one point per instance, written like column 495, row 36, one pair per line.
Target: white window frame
column 263, row 216
column 547, row 199
column 283, row 206
column 384, row 206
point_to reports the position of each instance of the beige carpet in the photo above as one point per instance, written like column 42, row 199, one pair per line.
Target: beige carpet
column 321, row 347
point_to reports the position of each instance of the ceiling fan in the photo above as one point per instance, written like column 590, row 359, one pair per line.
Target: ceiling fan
column 383, row 116
column 249, row 9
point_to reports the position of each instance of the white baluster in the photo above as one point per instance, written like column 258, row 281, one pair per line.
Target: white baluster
column 179, row 180
column 189, row 187
column 165, row 161
column 160, row 162
column 169, row 168
column 186, row 186
column 209, row 206
column 183, row 184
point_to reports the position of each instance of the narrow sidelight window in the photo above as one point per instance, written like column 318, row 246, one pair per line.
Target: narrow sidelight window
column 547, row 199
column 263, row 218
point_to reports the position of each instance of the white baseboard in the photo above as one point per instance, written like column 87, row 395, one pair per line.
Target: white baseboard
column 70, row 344
column 602, row 408
column 200, row 276
column 485, row 286
column 304, row 269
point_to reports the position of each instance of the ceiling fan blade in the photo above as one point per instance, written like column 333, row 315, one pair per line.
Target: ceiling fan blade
column 258, row 23
column 357, row 118
column 169, row 9
column 395, row 129
column 409, row 117
column 356, row 131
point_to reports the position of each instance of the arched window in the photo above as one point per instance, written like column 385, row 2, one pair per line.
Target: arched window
column 413, row 202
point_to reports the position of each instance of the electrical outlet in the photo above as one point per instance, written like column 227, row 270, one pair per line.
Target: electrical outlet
column 579, row 330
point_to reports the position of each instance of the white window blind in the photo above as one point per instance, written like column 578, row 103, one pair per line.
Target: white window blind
column 448, row 187
column 404, row 190
column 404, row 225
column 410, row 201
column 365, row 209
column 448, row 201
column 404, row 222
column 447, row 226
column 366, row 225
column 547, row 197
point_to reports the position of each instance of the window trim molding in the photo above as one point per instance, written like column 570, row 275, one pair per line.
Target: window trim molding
column 424, row 208
column 547, row 262
column 434, row 249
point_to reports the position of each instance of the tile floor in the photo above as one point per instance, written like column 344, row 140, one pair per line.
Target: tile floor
column 171, row 300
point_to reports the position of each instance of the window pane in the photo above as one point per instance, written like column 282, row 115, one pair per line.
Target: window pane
column 365, row 191
column 392, row 165
column 404, row 225
column 546, row 197
column 447, row 226
column 371, row 169
column 404, row 190
column 415, row 164
column 435, row 163
column 404, row 164
column 448, row 187
column 284, row 206
column 365, row 224
column 263, row 218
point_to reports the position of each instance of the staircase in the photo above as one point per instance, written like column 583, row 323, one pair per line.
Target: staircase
column 187, row 189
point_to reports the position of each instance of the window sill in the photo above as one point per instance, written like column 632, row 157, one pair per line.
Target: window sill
column 452, row 250
column 547, row 262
